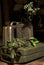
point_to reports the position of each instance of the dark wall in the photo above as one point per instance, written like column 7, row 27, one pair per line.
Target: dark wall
column 0, row 21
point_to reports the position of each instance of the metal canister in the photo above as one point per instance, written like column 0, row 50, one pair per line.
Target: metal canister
column 8, row 33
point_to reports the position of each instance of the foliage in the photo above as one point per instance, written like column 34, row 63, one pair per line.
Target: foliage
column 30, row 11
column 11, row 48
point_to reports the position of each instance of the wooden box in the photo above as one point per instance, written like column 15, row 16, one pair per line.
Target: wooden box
column 30, row 53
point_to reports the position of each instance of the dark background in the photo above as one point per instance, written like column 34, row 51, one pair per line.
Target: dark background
column 12, row 10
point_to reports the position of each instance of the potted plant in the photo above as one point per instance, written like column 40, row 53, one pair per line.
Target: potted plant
column 30, row 11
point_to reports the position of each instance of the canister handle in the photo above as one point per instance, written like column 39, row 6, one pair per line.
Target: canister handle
column 12, row 23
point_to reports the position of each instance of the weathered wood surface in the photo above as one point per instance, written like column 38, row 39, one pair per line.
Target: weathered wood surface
column 36, row 62
column 31, row 50
column 29, row 54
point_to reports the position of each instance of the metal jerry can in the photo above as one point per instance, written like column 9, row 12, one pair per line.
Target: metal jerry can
column 8, row 32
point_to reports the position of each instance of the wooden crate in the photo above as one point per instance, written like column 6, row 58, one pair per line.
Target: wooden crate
column 27, row 54
column 32, row 53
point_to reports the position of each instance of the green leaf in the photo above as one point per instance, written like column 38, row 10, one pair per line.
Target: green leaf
column 13, row 54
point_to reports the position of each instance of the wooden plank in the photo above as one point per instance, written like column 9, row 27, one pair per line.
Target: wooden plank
column 30, row 50
column 31, row 57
